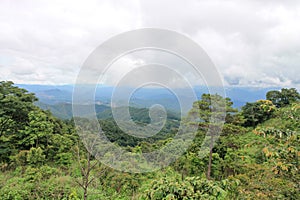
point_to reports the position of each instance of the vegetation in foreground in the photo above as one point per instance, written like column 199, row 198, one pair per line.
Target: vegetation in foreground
column 256, row 157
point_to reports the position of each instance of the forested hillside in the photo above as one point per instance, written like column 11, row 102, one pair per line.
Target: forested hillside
column 256, row 156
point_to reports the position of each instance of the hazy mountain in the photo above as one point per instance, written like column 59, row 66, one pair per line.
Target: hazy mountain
column 58, row 98
column 64, row 110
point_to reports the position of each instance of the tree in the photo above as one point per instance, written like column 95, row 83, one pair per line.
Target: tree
column 87, row 162
column 15, row 105
column 215, row 108
column 86, row 167
column 284, row 97
column 38, row 131
column 257, row 112
column 275, row 97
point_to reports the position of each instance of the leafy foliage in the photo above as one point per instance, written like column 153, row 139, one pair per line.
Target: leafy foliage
column 257, row 112
column 284, row 97
column 256, row 156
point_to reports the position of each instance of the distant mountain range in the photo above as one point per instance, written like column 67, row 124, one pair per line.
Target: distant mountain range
column 64, row 110
column 58, row 98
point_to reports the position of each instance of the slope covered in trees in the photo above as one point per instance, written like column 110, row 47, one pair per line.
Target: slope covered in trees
column 256, row 156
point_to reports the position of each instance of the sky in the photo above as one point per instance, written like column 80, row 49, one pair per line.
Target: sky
column 251, row 42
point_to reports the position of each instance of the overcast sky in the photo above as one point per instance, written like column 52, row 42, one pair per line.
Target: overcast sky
column 252, row 42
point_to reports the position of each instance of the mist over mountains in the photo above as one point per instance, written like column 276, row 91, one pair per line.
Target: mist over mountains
column 58, row 98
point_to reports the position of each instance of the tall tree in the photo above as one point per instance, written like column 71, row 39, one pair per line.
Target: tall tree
column 211, row 110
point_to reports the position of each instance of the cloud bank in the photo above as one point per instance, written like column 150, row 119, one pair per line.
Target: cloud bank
column 252, row 42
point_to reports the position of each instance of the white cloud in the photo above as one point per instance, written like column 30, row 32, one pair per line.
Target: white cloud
column 252, row 42
column 57, row 36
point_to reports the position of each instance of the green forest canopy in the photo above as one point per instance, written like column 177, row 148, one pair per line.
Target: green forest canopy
column 256, row 157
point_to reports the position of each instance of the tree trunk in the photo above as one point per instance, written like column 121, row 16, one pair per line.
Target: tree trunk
column 210, row 156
